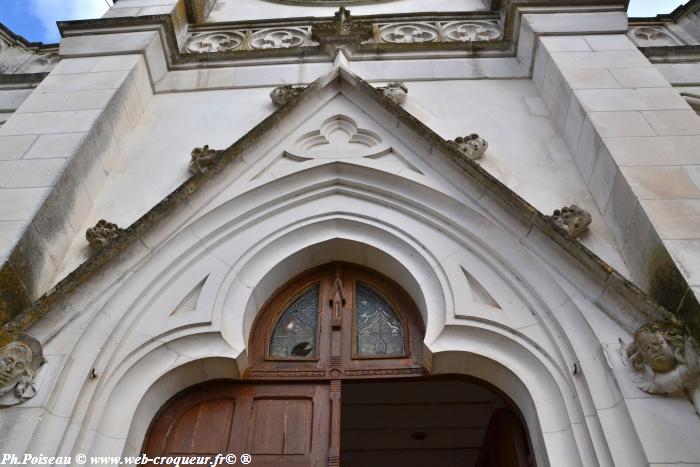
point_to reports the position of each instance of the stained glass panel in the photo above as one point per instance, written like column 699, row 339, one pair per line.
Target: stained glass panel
column 378, row 329
column 295, row 332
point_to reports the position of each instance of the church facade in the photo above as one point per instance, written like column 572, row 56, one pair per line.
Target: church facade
column 324, row 233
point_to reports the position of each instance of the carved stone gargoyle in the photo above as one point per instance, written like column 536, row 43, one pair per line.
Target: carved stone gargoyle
column 472, row 146
column 342, row 32
column 203, row 158
column 664, row 359
column 283, row 94
column 572, row 220
column 20, row 358
column 102, row 233
column 395, row 91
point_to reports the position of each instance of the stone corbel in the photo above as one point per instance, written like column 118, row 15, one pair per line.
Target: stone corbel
column 664, row 359
column 571, row 220
column 472, row 146
column 283, row 94
column 202, row 158
column 20, row 358
column 101, row 234
column 396, row 92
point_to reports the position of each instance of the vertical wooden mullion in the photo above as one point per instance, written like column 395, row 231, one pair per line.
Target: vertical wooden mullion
column 334, row 435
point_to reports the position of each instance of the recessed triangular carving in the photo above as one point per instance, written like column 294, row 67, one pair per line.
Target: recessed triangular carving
column 479, row 293
column 189, row 303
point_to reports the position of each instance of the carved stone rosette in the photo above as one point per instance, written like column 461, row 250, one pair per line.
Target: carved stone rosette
column 572, row 220
column 202, row 158
column 395, row 91
column 102, row 233
column 664, row 359
column 283, row 94
column 472, row 146
column 20, row 358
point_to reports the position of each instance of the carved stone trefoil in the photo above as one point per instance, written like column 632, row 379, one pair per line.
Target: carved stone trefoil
column 572, row 220
column 472, row 146
column 202, row 158
column 395, row 91
column 664, row 359
column 20, row 358
column 101, row 234
column 283, row 94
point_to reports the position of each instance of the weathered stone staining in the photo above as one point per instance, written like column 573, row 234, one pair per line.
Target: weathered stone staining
column 395, row 91
column 664, row 359
column 101, row 234
column 202, row 158
column 20, row 358
column 283, row 94
column 572, row 220
column 472, row 146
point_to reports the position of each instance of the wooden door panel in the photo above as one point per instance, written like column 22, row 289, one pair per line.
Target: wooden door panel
column 278, row 425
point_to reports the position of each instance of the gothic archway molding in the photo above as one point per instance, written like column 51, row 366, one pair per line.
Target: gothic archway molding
column 238, row 252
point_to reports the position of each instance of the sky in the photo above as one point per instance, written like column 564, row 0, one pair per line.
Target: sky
column 36, row 19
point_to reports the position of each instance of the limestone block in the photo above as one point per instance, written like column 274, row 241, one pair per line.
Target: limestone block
column 602, row 178
column 587, row 149
column 617, row 124
column 639, row 77
column 674, row 122
column 606, row 100
column 600, row 60
column 608, row 42
column 590, row 79
column 31, row 173
column 686, row 253
column 130, row 42
column 83, row 81
column 50, row 122
column 660, row 182
column 56, row 145
column 20, row 203
column 77, row 100
column 14, row 147
column 668, row 150
column 566, row 43
column 676, row 218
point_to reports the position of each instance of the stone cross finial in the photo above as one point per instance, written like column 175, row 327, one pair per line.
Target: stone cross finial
column 101, row 234
column 20, row 358
column 572, row 220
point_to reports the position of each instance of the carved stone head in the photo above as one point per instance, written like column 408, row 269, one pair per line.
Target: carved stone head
column 395, row 91
column 472, row 146
column 663, row 357
column 20, row 359
column 283, row 94
column 571, row 219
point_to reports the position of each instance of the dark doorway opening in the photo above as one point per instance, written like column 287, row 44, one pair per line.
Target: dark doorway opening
column 440, row 423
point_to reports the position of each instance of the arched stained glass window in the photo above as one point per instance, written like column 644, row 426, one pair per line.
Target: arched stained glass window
column 378, row 328
column 295, row 332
